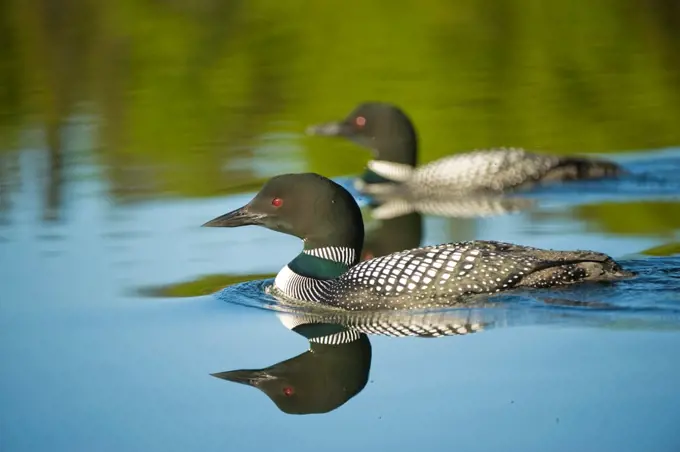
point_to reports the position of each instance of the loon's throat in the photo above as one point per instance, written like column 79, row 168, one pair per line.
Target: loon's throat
column 313, row 273
column 323, row 263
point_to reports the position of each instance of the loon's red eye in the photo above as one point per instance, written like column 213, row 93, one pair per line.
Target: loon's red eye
column 360, row 121
column 288, row 391
column 277, row 202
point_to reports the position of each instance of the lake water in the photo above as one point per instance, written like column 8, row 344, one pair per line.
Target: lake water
column 99, row 355
column 125, row 126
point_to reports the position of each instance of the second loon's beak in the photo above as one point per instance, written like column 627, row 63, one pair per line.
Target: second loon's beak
column 328, row 129
column 239, row 217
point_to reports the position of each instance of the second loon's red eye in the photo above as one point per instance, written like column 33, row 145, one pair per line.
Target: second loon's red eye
column 360, row 121
column 288, row 391
column 277, row 202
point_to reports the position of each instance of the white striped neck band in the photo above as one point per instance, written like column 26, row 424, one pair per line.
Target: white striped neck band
column 334, row 253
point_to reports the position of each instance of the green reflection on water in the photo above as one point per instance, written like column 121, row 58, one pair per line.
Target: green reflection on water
column 195, row 98
column 667, row 249
column 655, row 218
column 203, row 285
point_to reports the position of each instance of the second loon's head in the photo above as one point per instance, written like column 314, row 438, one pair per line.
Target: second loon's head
column 306, row 205
column 382, row 127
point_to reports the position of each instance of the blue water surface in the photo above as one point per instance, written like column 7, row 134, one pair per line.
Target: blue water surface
column 90, row 363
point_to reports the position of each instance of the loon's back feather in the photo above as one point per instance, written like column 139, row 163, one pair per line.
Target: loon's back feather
column 441, row 275
column 497, row 170
column 492, row 169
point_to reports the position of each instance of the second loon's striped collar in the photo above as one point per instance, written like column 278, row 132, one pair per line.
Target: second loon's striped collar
column 397, row 172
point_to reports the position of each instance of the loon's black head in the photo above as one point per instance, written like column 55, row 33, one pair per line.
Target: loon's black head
column 382, row 127
column 306, row 205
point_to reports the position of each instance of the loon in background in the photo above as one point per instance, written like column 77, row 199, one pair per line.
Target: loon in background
column 327, row 271
column 389, row 133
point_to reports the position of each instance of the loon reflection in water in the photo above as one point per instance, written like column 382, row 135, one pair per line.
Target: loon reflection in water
column 386, row 236
column 397, row 221
column 337, row 365
column 399, row 203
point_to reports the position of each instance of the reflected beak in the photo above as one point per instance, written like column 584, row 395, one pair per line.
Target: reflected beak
column 245, row 377
column 236, row 218
column 329, row 129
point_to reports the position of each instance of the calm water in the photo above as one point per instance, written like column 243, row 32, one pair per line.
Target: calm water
column 125, row 126
column 93, row 362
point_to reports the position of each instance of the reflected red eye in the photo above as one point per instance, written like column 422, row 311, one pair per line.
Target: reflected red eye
column 277, row 202
column 360, row 121
column 288, row 391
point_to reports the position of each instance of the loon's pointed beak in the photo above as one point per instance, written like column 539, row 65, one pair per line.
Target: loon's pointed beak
column 329, row 129
column 245, row 377
column 239, row 217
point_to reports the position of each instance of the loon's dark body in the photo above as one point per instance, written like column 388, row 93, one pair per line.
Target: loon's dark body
column 448, row 274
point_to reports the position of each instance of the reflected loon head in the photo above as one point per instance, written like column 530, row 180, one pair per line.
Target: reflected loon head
column 317, row 381
column 382, row 127
column 309, row 206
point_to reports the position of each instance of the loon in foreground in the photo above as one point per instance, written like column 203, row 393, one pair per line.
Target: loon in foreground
column 389, row 133
column 327, row 271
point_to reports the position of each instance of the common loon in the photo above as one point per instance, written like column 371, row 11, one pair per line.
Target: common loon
column 328, row 220
column 389, row 133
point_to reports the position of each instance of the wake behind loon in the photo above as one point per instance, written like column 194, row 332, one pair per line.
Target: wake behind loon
column 390, row 134
column 327, row 271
